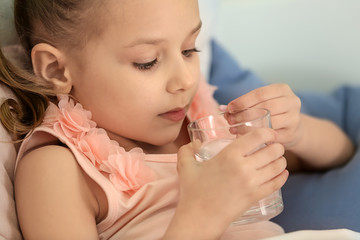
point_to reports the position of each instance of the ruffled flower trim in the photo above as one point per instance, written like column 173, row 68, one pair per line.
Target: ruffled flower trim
column 127, row 171
column 203, row 103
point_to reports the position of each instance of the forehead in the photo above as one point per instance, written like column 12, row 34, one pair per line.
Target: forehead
column 130, row 19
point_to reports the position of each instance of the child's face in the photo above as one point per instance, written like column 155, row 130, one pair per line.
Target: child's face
column 139, row 77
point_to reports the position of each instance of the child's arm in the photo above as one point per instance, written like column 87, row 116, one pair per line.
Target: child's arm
column 53, row 197
column 322, row 145
column 213, row 193
column 311, row 142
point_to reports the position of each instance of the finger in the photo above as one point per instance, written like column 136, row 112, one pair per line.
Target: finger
column 249, row 142
column 272, row 170
column 285, row 121
column 287, row 138
column 250, row 117
column 266, row 155
column 258, row 96
column 273, row 185
column 281, row 105
column 185, row 156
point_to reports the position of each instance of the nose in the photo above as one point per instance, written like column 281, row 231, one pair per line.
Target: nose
column 183, row 76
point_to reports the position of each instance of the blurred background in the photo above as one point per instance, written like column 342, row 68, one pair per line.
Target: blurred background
column 309, row 44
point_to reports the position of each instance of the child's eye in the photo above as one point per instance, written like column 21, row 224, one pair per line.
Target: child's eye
column 145, row 66
column 187, row 53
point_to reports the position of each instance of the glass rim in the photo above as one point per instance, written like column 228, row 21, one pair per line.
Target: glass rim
column 190, row 128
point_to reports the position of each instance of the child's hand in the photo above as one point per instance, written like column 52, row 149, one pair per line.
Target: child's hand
column 217, row 191
column 284, row 107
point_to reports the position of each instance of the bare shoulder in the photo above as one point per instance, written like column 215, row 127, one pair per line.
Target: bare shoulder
column 50, row 157
column 53, row 196
column 48, row 167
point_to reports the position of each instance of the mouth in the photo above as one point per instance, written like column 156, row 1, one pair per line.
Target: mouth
column 175, row 115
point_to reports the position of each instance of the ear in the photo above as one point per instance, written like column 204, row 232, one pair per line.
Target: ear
column 49, row 64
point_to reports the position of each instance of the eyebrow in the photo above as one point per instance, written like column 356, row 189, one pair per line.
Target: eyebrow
column 151, row 41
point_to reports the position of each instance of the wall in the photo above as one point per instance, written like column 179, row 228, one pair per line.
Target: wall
column 310, row 44
column 7, row 29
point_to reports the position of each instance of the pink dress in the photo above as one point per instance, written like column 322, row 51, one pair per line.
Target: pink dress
column 141, row 189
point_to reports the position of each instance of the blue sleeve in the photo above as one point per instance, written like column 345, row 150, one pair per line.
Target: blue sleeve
column 341, row 107
column 232, row 80
column 319, row 200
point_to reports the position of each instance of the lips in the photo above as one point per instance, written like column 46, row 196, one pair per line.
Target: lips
column 175, row 115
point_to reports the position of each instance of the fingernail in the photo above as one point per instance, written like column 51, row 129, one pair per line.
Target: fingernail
column 223, row 108
column 230, row 108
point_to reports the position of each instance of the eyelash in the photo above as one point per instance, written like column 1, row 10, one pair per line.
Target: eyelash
column 149, row 65
column 187, row 53
column 146, row 66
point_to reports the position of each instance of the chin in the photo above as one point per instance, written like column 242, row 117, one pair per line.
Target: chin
column 163, row 141
column 162, row 137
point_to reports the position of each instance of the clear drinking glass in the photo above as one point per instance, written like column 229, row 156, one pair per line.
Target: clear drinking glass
column 212, row 133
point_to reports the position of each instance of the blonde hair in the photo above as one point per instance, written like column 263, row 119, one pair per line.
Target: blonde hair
column 60, row 23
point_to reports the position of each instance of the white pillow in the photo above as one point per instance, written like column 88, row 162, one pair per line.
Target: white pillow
column 8, row 222
column 9, row 227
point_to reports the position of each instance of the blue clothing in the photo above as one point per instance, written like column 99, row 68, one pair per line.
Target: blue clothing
column 321, row 200
column 232, row 80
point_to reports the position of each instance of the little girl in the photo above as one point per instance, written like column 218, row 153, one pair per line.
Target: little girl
column 103, row 107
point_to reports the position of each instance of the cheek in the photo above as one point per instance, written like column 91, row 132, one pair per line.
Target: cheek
column 119, row 108
column 196, row 67
column 125, row 120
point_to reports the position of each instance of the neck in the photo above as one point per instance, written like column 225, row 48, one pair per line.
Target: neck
column 170, row 148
